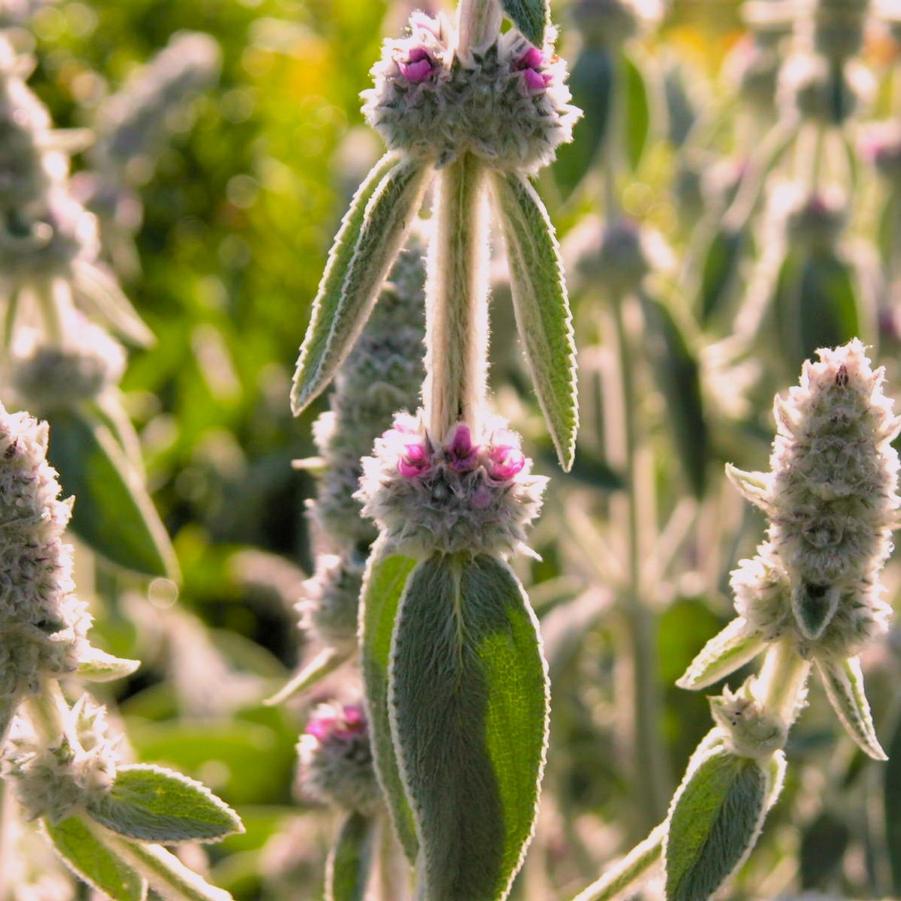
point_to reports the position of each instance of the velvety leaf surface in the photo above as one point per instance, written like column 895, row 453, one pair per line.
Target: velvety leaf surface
column 530, row 17
column 350, row 862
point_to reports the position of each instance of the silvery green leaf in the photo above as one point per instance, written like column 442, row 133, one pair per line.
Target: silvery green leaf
column 731, row 648
column 530, row 17
column 625, row 873
column 95, row 665
column 325, row 662
column 89, row 858
column 387, row 573
column 113, row 513
column 813, row 607
column 371, row 233
column 153, row 804
column 719, row 270
column 843, row 680
column 350, row 862
column 98, row 292
column 541, row 305
column 714, row 820
column 754, row 487
column 469, row 708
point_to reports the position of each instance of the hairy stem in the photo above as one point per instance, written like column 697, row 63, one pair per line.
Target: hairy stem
column 457, row 300
column 46, row 712
column 780, row 685
column 478, row 23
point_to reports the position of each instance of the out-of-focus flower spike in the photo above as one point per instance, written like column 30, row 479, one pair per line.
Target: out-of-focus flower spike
column 843, row 681
column 730, row 649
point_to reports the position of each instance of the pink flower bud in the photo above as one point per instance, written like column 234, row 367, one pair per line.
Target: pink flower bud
column 418, row 67
column 505, row 462
column 320, row 727
column 414, row 461
column 535, row 81
column 533, row 58
column 461, row 451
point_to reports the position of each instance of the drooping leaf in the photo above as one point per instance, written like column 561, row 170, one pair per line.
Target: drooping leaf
column 678, row 377
column 591, row 83
column 530, row 17
column 350, row 862
column 541, row 305
column 469, row 707
column 95, row 665
column 843, row 680
column 153, row 804
column 636, row 110
column 325, row 662
column 719, row 270
column 722, row 655
column 372, row 231
column 714, row 820
column 88, row 856
column 387, row 573
column 113, row 513
column 754, row 487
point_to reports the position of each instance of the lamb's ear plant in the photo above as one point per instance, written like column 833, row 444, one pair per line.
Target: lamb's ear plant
column 456, row 685
column 809, row 601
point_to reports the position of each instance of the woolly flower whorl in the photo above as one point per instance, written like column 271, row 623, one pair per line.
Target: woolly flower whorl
column 336, row 759
column 54, row 781
column 328, row 606
column 508, row 103
column 453, row 495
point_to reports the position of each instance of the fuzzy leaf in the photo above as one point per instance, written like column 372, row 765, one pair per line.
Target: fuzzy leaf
column 679, row 380
column 754, row 487
column 113, row 513
column 325, row 662
column 530, row 17
column 99, row 292
column 371, row 233
column 95, row 665
column 387, row 573
column 722, row 655
column 843, row 680
column 469, row 708
column 153, row 804
column 813, row 607
column 351, row 860
column 719, row 271
column 591, row 82
column 93, row 862
column 714, row 820
column 541, row 305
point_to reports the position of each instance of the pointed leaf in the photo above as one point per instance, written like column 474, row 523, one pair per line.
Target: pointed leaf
column 637, row 111
column 95, row 665
column 325, row 662
column 754, row 487
column 372, row 231
column 714, row 821
column 469, row 708
column 99, row 293
column 541, row 305
column 93, row 862
column 351, row 861
column 719, row 271
column 386, row 577
column 153, row 804
column 813, row 607
column 113, row 513
column 530, row 17
column 722, row 655
column 843, row 680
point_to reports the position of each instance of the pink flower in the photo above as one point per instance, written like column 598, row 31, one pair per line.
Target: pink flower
column 414, row 461
column 530, row 63
column 320, row 727
column 333, row 724
column 533, row 58
column 505, row 462
column 418, row 66
column 461, row 451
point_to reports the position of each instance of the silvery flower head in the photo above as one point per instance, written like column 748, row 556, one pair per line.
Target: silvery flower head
column 330, row 599
column 507, row 103
column 336, row 759
column 55, row 781
column 451, row 495
column 812, row 89
column 837, row 27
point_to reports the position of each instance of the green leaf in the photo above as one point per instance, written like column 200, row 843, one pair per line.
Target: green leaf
column 679, row 380
column 714, row 821
column 541, row 305
column 814, row 607
column 325, row 662
column 99, row 293
column 530, row 17
column 636, row 111
column 722, row 655
column 469, row 708
column 719, row 271
column 843, row 680
column 591, row 83
column 152, row 804
column 113, row 513
column 95, row 665
column 351, row 860
column 386, row 576
column 88, row 856
column 371, row 233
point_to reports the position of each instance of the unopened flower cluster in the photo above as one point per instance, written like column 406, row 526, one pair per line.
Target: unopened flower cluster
column 451, row 495
column 507, row 103
column 336, row 759
column 54, row 781
column 42, row 624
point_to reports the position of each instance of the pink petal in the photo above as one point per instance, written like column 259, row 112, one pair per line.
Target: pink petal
column 417, row 72
column 535, row 81
column 506, row 462
column 533, row 58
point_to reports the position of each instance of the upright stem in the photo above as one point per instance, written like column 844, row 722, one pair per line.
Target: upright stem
column 781, row 681
column 457, row 305
column 478, row 22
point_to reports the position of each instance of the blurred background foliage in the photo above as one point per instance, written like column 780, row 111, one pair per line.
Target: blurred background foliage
column 240, row 206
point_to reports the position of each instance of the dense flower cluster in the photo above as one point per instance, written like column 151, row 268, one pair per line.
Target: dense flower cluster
column 42, row 624
column 507, row 103
column 336, row 759
column 54, row 781
column 451, row 495
column 330, row 599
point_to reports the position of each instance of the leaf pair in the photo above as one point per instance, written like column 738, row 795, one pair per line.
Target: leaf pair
column 458, row 699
